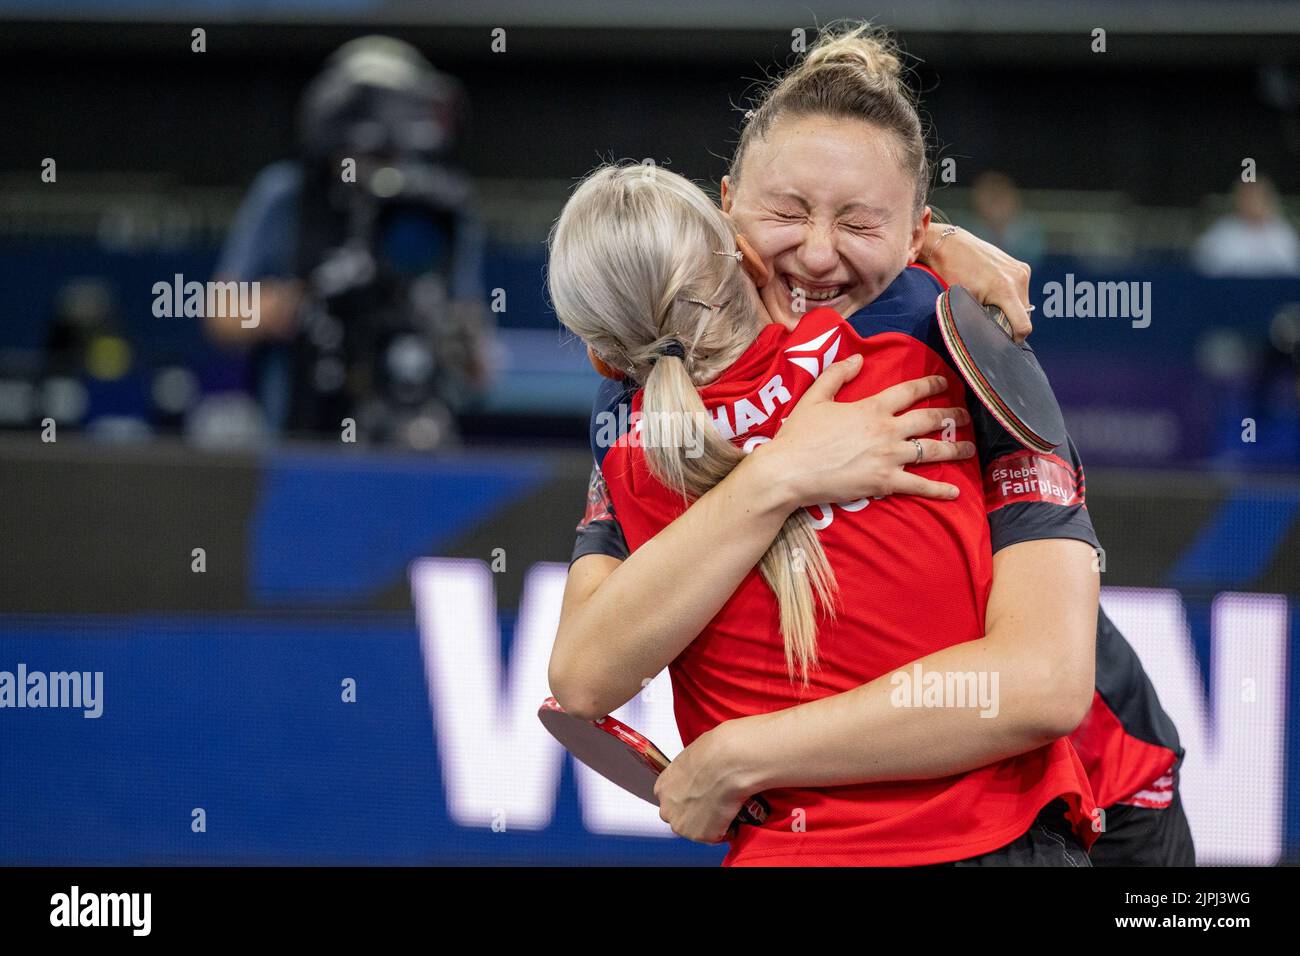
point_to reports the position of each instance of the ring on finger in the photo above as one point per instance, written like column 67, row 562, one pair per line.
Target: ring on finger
column 920, row 450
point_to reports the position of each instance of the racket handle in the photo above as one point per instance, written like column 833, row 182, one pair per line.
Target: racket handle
column 753, row 811
column 1000, row 319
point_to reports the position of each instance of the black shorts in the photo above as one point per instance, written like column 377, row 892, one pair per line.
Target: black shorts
column 1049, row 841
column 1138, row 836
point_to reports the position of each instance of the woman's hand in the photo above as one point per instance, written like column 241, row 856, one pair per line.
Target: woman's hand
column 991, row 275
column 698, row 794
column 841, row 451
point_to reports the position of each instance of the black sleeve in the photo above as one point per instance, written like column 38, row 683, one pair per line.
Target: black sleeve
column 599, row 531
column 1029, row 495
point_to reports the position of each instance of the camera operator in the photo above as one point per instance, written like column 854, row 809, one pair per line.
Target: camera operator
column 368, row 257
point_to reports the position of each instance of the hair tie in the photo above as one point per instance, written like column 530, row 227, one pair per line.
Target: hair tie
column 672, row 347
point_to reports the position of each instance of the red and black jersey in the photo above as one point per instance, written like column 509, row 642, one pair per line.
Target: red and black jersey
column 1127, row 743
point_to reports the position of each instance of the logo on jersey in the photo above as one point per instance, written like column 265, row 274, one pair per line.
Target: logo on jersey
column 1158, row 795
column 737, row 419
column 742, row 417
column 806, row 355
column 1029, row 476
column 599, row 505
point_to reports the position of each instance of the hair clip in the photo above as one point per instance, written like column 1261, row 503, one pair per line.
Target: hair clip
column 737, row 255
column 749, row 115
column 702, row 303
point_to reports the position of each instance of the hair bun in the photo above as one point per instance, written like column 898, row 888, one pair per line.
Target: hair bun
column 864, row 47
column 853, row 71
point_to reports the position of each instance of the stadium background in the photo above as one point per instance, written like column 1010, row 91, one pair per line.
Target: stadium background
column 327, row 562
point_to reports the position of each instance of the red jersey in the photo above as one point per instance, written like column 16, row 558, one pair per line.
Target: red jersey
column 913, row 577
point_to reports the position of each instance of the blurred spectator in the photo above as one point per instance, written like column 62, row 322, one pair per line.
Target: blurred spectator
column 1253, row 241
column 1001, row 219
column 1257, row 381
column 368, row 257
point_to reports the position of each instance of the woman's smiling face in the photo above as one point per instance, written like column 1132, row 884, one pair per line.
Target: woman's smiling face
column 827, row 206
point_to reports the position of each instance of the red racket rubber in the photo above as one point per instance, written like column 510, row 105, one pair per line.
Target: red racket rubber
column 623, row 756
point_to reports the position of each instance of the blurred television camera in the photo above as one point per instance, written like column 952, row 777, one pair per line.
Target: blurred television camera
column 383, row 319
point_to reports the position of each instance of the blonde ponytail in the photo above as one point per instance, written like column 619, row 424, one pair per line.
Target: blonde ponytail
column 634, row 274
column 795, row 566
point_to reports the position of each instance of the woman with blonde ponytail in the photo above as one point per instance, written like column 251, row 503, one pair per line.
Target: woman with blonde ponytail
column 643, row 269
column 828, row 187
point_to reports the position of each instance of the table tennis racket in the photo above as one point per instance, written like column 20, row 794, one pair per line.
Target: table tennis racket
column 1003, row 374
column 622, row 756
